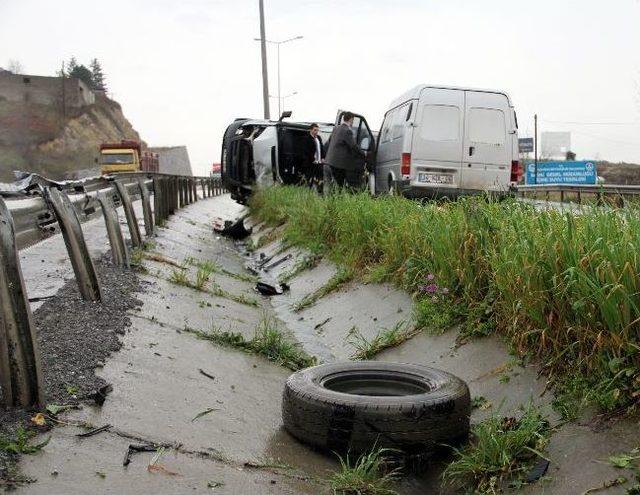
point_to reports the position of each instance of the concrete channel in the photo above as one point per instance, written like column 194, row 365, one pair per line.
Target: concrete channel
column 164, row 377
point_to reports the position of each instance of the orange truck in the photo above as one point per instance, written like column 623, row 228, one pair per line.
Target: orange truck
column 127, row 156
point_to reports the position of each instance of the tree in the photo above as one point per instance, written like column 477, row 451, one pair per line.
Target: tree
column 73, row 63
column 98, row 76
column 15, row 66
column 83, row 73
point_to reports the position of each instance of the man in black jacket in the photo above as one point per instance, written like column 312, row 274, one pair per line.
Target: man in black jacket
column 313, row 156
column 344, row 156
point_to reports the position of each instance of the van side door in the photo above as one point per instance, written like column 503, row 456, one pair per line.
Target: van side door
column 487, row 142
column 362, row 135
column 436, row 149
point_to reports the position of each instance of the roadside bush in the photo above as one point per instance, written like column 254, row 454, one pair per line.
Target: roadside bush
column 563, row 287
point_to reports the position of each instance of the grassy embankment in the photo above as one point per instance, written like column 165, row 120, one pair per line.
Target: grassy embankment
column 562, row 289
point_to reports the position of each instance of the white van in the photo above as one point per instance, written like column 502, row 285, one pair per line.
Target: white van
column 438, row 140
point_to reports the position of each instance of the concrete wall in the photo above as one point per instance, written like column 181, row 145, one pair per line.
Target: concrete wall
column 45, row 90
column 174, row 160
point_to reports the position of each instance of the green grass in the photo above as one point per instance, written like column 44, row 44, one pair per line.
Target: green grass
column 562, row 288
column 388, row 337
column 21, row 443
column 368, row 475
column 268, row 341
column 501, row 450
column 202, row 279
column 215, row 267
column 341, row 277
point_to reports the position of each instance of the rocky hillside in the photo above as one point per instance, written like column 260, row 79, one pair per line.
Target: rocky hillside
column 38, row 138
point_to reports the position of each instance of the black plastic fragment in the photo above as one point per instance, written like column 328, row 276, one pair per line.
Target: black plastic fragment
column 538, row 470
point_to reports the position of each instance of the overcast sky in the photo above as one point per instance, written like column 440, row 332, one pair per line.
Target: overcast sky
column 183, row 70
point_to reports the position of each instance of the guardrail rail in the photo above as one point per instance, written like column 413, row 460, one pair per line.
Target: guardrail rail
column 35, row 209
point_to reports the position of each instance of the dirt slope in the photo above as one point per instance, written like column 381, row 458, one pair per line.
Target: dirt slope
column 38, row 138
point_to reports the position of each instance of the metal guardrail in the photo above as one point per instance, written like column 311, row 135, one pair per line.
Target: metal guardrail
column 614, row 193
column 40, row 207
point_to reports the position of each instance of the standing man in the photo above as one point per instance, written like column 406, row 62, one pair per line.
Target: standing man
column 313, row 157
column 344, row 156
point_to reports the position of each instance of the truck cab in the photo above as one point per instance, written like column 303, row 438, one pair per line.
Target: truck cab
column 127, row 156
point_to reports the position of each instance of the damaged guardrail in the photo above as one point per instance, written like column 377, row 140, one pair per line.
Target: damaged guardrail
column 34, row 209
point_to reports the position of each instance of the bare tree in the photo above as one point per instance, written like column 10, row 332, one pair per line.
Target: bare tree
column 15, row 66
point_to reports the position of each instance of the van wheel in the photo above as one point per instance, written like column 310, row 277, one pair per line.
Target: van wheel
column 350, row 407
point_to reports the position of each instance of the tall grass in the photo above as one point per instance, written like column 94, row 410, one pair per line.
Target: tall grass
column 563, row 287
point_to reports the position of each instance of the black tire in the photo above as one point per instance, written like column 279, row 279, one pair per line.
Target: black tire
column 350, row 407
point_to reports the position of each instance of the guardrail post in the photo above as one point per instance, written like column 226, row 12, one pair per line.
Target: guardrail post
column 174, row 186
column 71, row 230
column 146, row 208
column 209, row 188
column 189, row 191
column 181, row 199
column 20, row 370
column 204, row 189
column 119, row 253
column 194, row 188
column 159, row 199
column 129, row 213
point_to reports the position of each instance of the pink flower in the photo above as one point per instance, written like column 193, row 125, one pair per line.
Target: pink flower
column 431, row 288
column 431, row 277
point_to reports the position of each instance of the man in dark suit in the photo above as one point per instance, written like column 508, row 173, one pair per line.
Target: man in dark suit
column 313, row 156
column 344, row 156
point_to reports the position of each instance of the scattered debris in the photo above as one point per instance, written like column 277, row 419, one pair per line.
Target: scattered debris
column 203, row 413
column 606, row 485
column 100, row 395
column 235, row 230
column 155, row 467
column 278, row 262
column 100, row 474
column 215, row 484
column 481, row 403
column 95, row 431
column 271, row 288
column 202, row 372
column 134, row 449
column 38, row 419
column 538, row 470
column 320, row 325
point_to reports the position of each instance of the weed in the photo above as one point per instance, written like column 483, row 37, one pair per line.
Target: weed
column 202, row 277
column 481, row 403
column 21, row 444
column 388, row 337
column 341, row 277
column 72, row 389
column 179, row 277
column 268, row 341
column 307, row 263
column 368, row 475
column 215, row 267
column 502, row 449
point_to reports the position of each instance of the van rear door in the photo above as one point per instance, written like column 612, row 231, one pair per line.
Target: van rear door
column 487, row 142
column 436, row 149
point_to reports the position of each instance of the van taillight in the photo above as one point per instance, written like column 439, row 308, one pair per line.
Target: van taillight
column 516, row 171
column 406, row 164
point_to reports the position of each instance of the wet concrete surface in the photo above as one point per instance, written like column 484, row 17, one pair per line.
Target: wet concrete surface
column 159, row 389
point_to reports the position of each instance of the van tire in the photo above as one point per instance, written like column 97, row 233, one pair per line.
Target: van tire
column 435, row 409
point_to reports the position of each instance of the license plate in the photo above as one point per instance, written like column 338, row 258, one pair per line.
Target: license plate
column 435, row 178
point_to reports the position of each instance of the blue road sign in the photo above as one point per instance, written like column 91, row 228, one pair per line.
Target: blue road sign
column 561, row 173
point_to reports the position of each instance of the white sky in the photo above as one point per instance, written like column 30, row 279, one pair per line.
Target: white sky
column 183, row 70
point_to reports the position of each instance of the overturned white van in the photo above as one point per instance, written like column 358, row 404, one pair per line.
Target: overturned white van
column 439, row 140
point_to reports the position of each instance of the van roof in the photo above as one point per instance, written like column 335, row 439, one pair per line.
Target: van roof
column 414, row 93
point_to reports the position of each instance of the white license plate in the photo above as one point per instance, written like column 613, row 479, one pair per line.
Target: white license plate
column 435, row 178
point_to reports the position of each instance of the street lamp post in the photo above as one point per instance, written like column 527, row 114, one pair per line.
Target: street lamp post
column 278, row 43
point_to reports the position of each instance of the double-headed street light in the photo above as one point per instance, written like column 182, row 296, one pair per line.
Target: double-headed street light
column 278, row 43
